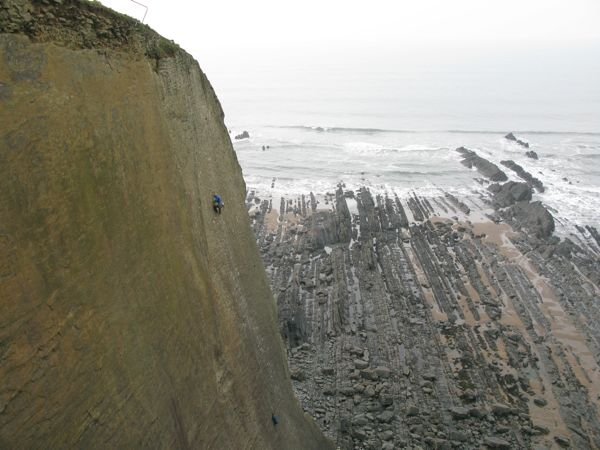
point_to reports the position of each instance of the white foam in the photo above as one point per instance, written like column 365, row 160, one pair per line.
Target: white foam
column 425, row 164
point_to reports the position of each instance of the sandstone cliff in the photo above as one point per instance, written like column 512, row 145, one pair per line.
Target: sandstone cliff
column 131, row 315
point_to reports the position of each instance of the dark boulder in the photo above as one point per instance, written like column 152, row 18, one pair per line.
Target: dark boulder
column 510, row 193
column 460, row 205
column 485, row 167
column 531, row 180
column 501, row 410
column 519, row 191
column 243, row 135
column 496, row 442
column 495, row 188
column 562, row 441
column 459, row 412
column 594, row 233
column 513, row 138
column 531, row 154
column 567, row 247
column 532, row 216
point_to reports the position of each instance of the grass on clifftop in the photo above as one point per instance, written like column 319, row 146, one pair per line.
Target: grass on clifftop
column 162, row 48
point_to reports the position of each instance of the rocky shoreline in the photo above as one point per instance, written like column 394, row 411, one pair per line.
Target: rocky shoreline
column 436, row 322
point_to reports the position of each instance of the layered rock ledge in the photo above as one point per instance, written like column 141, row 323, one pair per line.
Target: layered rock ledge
column 485, row 167
column 413, row 323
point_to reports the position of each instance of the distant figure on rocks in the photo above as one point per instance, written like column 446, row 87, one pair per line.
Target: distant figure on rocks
column 218, row 204
column 274, row 419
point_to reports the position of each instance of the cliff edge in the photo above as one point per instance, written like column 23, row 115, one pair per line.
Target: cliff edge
column 132, row 315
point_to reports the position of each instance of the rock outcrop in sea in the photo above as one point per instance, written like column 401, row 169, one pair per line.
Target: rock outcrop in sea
column 513, row 138
column 132, row 315
column 532, row 217
column 530, row 179
column 509, row 193
column 531, row 154
column 485, row 167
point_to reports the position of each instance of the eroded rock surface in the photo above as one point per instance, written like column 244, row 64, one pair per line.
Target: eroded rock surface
column 131, row 316
column 533, row 217
column 485, row 167
column 530, row 179
column 423, row 331
column 509, row 193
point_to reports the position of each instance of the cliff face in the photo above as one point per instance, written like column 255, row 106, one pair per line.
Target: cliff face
column 131, row 315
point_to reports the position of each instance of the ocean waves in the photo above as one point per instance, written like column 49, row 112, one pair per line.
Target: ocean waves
column 297, row 160
column 371, row 131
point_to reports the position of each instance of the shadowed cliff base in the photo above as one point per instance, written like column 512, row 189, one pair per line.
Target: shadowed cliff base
column 132, row 315
column 436, row 322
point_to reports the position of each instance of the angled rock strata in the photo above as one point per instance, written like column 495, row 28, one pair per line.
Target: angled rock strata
column 485, row 167
column 530, row 179
column 426, row 331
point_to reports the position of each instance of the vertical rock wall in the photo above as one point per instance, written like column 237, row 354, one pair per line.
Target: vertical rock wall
column 131, row 315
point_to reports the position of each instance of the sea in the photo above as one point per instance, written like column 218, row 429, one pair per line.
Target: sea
column 391, row 118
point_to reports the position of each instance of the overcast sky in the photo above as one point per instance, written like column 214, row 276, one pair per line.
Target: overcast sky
column 538, row 50
column 224, row 25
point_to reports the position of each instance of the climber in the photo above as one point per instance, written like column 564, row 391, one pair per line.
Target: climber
column 218, row 203
column 274, row 419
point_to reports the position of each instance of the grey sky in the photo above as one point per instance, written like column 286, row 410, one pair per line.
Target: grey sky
column 219, row 25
